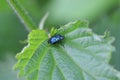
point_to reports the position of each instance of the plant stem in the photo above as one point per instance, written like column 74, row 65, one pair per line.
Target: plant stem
column 42, row 22
column 22, row 14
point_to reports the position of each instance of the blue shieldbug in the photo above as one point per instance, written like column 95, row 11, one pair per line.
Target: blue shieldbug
column 55, row 39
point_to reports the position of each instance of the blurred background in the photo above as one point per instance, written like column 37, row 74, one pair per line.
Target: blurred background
column 103, row 15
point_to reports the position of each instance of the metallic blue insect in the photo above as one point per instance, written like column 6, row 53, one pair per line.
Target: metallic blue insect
column 55, row 39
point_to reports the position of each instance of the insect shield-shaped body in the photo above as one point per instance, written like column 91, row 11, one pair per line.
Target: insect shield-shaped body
column 55, row 39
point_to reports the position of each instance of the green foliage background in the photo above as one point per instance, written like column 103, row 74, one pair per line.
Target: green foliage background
column 102, row 14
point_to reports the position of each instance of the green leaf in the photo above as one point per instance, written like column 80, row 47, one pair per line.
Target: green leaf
column 113, row 26
column 53, row 31
column 82, row 55
column 36, row 37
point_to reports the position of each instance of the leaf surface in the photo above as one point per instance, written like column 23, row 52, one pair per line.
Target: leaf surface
column 82, row 55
